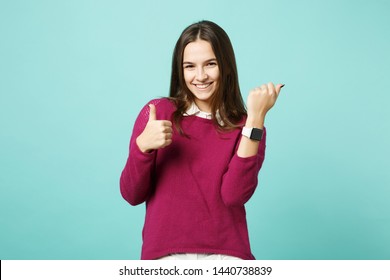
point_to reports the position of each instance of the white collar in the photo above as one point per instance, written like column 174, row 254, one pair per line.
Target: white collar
column 194, row 110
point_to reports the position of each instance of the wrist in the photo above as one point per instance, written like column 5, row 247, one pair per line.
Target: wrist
column 257, row 122
column 139, row 142
column 252, row 133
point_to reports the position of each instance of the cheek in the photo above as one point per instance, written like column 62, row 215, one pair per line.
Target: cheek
column 215, row 74
column 187, row 77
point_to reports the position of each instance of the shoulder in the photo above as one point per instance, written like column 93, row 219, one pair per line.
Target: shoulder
column 164, row 110
column 163, row 103
column 164, row 107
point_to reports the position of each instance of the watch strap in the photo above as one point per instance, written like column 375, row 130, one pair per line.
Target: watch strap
column 252, row 133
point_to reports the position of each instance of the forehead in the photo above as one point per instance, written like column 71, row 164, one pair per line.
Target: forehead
column 198, row 50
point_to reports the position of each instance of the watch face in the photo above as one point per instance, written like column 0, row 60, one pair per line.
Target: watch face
column 256, row 134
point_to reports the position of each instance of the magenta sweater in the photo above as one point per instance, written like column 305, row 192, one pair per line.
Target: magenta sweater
column 195, row 189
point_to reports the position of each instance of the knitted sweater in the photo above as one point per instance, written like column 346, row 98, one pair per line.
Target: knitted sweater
column 195, row 188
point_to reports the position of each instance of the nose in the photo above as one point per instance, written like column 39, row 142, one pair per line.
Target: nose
column 201, row 74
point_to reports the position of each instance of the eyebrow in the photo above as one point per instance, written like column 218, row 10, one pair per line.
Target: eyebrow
column 208, row 60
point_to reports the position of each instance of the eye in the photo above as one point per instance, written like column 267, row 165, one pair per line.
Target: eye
column 212, row 63
column 188, row 66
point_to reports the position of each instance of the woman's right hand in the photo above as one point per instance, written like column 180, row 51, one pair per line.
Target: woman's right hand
column 157, row 133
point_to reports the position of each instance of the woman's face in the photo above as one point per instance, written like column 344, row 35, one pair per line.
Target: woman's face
column 201, row 72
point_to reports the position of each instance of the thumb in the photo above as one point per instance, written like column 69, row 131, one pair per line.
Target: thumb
column 279, row 87
column 152, row 113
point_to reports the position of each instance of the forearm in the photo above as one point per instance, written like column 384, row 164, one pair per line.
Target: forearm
column 135, row 181
column 240, row 180
column 249, row 147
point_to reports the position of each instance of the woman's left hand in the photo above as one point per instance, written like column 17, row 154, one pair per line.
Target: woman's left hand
column 260, row 101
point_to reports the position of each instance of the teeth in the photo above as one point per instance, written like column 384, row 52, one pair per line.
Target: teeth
column 202, row 86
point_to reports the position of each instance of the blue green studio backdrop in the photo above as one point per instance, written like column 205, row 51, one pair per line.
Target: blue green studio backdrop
column 74, row 75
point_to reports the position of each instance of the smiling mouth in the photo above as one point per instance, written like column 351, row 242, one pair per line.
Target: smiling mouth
column 202, row 86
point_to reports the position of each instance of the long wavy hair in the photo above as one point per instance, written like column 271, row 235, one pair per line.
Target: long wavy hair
column 227, row 99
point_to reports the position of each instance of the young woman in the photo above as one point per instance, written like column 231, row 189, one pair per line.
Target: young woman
column 194, row 157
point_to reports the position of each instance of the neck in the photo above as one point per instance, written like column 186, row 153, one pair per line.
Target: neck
column 203, row 106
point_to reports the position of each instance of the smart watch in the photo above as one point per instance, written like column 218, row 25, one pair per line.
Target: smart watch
column 252, row 133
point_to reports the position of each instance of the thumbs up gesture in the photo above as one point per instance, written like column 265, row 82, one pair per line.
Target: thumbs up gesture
column 157, row 133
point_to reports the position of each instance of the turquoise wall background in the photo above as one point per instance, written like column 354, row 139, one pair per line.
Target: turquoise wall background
column 74, row 75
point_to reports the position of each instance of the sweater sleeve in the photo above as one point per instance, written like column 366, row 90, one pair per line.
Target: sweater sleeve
column 240, row 180
column 136, row 177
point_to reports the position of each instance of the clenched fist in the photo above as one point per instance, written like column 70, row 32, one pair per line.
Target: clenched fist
column 157, row 133
column 260, row 101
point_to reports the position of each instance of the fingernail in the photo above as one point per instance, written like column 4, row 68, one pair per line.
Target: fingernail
column 282, row 85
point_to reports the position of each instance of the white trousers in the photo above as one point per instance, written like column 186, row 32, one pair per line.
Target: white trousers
column 205, row 257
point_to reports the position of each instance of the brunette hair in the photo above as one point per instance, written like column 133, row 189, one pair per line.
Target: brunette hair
column 227, row 99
